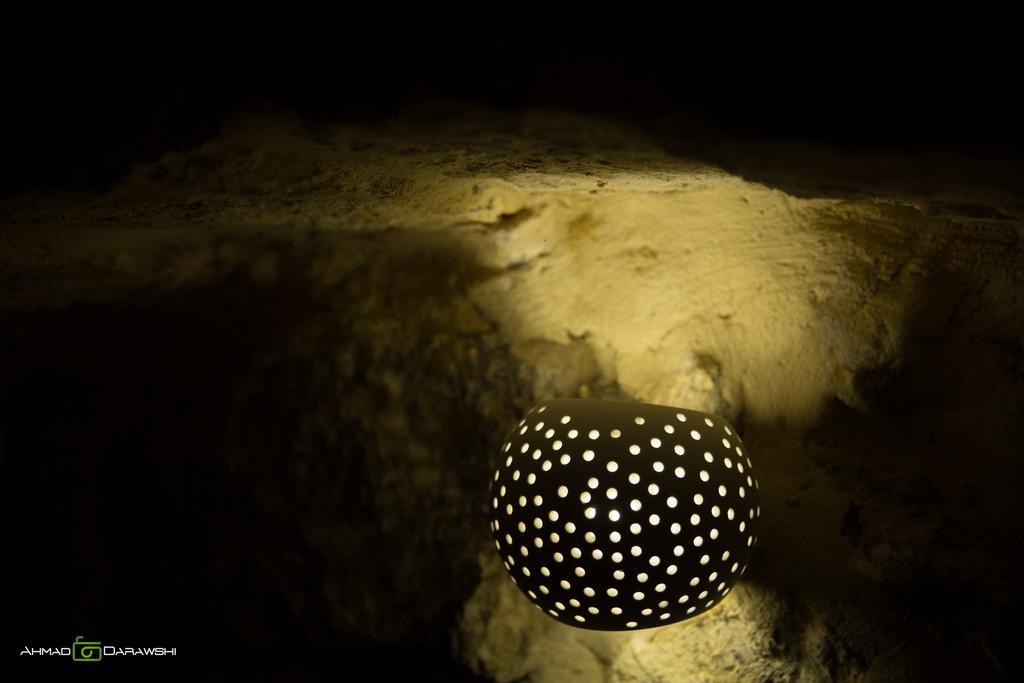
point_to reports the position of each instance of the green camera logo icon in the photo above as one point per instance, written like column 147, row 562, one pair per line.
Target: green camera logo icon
column 86, row 651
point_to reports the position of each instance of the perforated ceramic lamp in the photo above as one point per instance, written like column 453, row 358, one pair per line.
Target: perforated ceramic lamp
column 614, row 516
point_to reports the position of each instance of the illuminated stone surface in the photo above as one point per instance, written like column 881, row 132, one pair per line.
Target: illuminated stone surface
column 378, row 305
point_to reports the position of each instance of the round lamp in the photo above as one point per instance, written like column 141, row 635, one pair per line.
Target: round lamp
column 613, row 515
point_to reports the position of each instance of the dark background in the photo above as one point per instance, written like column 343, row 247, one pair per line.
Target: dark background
column 88, row 91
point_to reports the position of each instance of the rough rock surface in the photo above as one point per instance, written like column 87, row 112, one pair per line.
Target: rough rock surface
column 322, row 333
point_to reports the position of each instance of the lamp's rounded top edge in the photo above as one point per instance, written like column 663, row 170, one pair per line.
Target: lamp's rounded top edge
column 618, row 402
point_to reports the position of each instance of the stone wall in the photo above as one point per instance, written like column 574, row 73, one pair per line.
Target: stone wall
column 263, row 382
